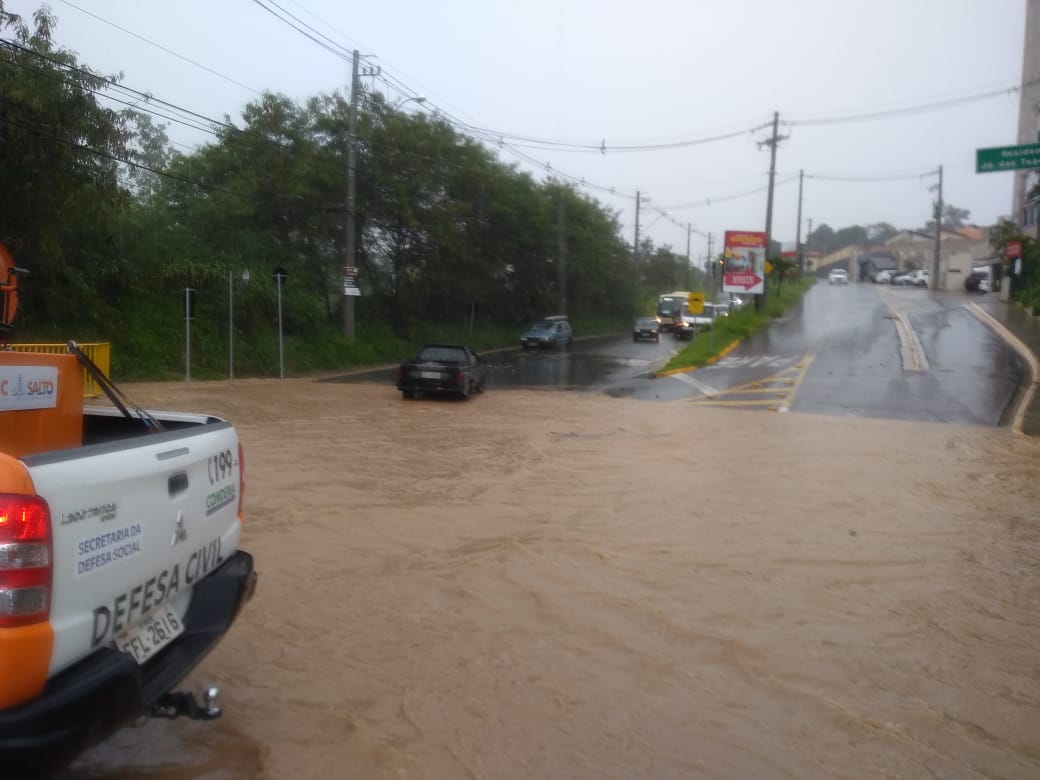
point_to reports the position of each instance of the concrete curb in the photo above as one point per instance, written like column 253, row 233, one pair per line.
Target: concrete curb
column 1026, row 354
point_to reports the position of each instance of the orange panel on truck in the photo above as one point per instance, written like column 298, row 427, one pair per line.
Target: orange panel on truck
column 41, row 402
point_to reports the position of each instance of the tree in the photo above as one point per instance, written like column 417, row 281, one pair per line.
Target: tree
column 849, row 236
column 952, row 218
column 879, row 232
column 782, row 268
column 821, row 239
column 59, row 152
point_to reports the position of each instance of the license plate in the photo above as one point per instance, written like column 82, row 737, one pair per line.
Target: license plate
column 429, row 375
column 145, row 639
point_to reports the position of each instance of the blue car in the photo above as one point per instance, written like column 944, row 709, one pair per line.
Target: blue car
column 550, row 333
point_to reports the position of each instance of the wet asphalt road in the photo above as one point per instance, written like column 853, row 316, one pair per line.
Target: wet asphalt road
column 859, row 350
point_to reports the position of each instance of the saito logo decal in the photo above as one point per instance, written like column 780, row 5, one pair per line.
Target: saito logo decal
column 28, row 387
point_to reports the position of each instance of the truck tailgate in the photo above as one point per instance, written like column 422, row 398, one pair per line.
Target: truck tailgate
column 136, row 524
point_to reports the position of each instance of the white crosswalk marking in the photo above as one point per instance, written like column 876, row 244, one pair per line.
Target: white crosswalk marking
column 688, row 379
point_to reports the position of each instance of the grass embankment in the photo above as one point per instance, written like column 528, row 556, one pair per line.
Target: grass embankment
column 738, row 326
column 151, row 351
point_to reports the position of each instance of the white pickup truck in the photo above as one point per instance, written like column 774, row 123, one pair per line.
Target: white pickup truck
column 119, row 560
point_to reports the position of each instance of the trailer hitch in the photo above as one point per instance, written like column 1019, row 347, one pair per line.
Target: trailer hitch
column 180, row 703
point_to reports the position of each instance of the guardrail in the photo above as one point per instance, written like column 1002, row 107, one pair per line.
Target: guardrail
column 100, row 353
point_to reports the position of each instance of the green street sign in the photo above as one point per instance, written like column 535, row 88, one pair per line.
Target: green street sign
column 1007, row 158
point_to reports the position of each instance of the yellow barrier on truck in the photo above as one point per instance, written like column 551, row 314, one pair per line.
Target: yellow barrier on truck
column 100, row 353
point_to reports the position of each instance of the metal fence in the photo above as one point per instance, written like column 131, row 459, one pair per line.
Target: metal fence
column 100, row 353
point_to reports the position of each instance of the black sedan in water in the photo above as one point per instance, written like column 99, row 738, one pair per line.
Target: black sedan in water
column 450, row 369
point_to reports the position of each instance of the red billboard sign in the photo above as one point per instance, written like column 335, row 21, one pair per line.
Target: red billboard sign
column 744, row 267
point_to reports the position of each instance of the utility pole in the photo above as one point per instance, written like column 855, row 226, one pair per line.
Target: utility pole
column 808, row 237
column 772, row 144
column 714, row 270
column 938, row 231
column 689, row 230
column 562, row 243
column 348, row 300
column 635, row 246
column 798, row 229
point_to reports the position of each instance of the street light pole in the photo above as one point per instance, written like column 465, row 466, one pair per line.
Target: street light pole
column 231, row 319
column 279, row 277
column 231, row 327
column 799, row 256
column 938, row 230
column 689, row 229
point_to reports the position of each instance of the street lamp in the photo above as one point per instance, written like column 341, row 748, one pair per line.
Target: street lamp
column 244, row 276
column 279, row 278
column 415, row 98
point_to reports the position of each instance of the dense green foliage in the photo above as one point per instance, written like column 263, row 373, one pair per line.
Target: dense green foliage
column 113, row 225
column 1025, row 286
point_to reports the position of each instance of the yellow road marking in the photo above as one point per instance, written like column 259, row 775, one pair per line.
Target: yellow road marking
column 762, row 392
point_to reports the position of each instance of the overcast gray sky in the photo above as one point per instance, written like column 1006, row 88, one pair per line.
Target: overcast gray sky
column 653, row 73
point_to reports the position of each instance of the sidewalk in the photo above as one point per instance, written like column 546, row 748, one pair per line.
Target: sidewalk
column 1027, row 330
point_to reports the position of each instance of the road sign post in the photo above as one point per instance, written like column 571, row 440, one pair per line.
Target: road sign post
column 280, row 276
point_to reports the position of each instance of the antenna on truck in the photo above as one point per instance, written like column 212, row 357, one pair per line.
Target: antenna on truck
column 115, row 395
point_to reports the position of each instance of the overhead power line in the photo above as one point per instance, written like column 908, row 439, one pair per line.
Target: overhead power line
column 726, row 198
column 163, row 48
column 189, row 118
column 871, row 178
column 919, row 108
column 332, row 47
column 108, row 156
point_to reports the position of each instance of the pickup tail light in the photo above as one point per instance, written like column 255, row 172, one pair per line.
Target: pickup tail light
column 26, row 560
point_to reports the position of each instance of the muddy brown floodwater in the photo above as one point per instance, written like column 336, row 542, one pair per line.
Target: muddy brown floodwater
column 540, row 584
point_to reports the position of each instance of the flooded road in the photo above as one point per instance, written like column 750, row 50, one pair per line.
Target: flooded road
column 570, row 585
column 859, row 350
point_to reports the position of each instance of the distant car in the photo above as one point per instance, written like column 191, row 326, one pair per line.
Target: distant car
column 550, row 333
column 838, row 276
column 884, row 276
column 692, row 324
column 919, row 278
column 648, row 328
column 903, row 279
column 978, row 280
column 442, row 369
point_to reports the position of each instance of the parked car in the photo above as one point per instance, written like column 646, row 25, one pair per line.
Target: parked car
column 550, row 333
column 902, row 279
column 838, row 276
column 648, row 328
column 920, row 278
column 884, row 276
column 450, row 369
column 977, row 279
